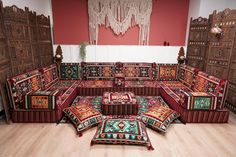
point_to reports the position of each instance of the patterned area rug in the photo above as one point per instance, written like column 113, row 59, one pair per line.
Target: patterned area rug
column 144, row 103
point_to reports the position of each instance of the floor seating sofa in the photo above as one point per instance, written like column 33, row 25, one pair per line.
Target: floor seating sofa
column 39, row 95
column 42, row 94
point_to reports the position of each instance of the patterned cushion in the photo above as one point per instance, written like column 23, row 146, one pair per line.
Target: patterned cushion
column 49, row 75
column 41, row 100
column 83, row 116
column 198, row 101
column 137, row 71
column 200, row 82
column 167, row 72
column 174, row 89
column 92, row 70
column 69, row 71
column 187, row 75
column 146, row 102
column 159, row 117
column 23, row 84
column 122, row 131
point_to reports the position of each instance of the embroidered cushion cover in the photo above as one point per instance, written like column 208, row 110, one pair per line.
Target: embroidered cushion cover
column 83, row 116
column 159, row 117
column 122, row 131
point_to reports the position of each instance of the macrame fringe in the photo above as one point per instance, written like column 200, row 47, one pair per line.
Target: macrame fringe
column 120, row 15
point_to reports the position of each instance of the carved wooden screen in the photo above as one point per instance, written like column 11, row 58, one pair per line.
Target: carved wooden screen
column 5, row 70
column 220, row 47
column 197, row 42
column 34, row 39
column 221, row 59
column 44, row 40
column 29, row 39
column 18, row 36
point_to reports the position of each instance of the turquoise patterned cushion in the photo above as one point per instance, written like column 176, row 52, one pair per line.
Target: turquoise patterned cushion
column 122, row 131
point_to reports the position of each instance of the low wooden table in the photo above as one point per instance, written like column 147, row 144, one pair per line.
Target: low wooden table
column 119, row 103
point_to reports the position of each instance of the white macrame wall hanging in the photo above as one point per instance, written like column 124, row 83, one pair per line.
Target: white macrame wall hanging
column 120, row 15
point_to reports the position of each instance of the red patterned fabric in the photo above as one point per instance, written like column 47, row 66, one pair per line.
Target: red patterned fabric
column 167, row 72
column 49, row 75
column 21, row 85
column 119, row 103
column 137, row 71
column 96, row 70
column 96, row 84
column 32, row 116
column 196, row 116
column 141, row 83
column 200, row 82
column 187, row 75
column 174, row 90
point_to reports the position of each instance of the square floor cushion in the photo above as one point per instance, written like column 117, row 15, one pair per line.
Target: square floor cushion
column 122, row 131
column 83, row 116
column 158, row 117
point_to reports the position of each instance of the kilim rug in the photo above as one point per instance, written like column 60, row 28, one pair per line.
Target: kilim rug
column 144, row 103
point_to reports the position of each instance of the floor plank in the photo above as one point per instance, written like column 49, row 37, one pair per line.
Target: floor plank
column 190, row 140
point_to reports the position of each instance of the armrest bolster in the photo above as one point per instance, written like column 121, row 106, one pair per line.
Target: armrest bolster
column 198, row 100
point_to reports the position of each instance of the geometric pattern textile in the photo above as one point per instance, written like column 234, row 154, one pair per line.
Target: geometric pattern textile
column 49, row 75
column 158, row 117
column 41, row 100
column 23, row 84
column 138, row 71
column 69, row 71
column 122, row 131
column 167, row 72
column 83, row 116
column 119, row 103
column 198, row 101
column 187, row 75
column 146, row 102
column 99, row 71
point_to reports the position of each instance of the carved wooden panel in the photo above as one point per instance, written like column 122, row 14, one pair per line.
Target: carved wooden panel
column 18, row 36
column 219, row 53
column 21, row 56
column 197, row 44
column 218, row 71
column 5, row 67
column 5, row 70
column 44, row 40
column 46, row 53
column 33, row 26
column 231, row 97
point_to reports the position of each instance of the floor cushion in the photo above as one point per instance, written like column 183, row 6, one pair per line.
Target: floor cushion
column 122, row 131
column 83, row 116
column 158, row 117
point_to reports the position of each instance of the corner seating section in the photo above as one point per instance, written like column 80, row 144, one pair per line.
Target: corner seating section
column 195, row 95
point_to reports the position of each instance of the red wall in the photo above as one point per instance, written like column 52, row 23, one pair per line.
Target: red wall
column 168, row 23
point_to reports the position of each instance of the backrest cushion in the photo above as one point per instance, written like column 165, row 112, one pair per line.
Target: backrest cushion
column 139, row 71
column 93, row 70
column 167, row 72
column 49, row 75
column 212, row 85
column 187, row 75
column 217, row 87
column 200, row 82
column 21, row 85
column 69, row 71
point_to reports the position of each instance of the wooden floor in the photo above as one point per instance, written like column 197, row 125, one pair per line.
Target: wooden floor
column 51, row 140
